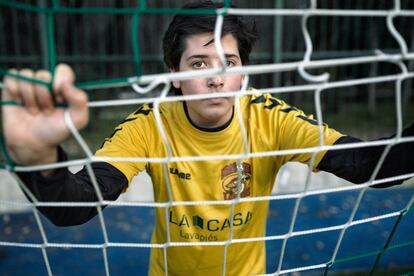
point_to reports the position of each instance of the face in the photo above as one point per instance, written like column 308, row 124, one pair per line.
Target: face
column 200, row 53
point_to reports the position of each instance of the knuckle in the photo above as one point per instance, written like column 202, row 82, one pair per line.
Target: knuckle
column 25, row 85
column 26, row 72
column 12, row 71
column 43, row 75
column 10, row 84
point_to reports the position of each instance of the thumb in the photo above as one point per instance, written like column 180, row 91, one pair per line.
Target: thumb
column 65, row 91
column 78, row 104
column 63, row 74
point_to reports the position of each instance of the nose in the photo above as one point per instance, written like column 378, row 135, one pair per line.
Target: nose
column 215, row 81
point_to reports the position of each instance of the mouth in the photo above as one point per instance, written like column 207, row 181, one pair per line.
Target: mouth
column 216, row 101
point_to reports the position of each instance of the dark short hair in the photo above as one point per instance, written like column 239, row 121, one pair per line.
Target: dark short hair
column 183, row 25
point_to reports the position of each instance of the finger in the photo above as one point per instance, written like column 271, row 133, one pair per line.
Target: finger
column 42, row 95
column 26, row 90
column 10, row 92
column 78, row 104
column 63, row 74
column 10, row 89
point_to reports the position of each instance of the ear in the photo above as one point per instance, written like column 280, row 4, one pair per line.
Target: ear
column 242, row 80
column 176, row 84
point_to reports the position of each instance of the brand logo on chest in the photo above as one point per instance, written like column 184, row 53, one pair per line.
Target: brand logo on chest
column 180, row 174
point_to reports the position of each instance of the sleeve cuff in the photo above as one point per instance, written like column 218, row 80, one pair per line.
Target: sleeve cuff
column 58, row 175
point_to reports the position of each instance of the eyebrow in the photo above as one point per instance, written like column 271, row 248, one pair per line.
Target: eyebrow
column 206, row 56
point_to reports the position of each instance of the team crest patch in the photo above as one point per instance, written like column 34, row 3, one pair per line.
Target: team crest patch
column 229, row 180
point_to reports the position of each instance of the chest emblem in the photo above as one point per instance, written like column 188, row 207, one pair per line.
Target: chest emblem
column 229, row 180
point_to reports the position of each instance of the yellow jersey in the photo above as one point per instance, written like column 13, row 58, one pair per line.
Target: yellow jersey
column 270, row 125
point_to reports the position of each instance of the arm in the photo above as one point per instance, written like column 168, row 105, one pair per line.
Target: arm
column 358, row 164
column 63, row 186
column 33, row 131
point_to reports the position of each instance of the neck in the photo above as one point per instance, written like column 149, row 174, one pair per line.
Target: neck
column 209, row 126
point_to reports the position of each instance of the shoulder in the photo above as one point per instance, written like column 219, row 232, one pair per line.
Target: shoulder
column 144, row 114
column 263, row 103
column 265, row 110
column 143, row 119
column 136, row 122
column 133, row 130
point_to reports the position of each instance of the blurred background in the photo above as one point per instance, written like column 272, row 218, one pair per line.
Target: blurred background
column 101, row 47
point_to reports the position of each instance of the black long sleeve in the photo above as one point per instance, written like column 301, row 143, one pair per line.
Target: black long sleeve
column 357, row 164
column 64, row 186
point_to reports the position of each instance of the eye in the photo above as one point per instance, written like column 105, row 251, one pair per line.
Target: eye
column 198, row 65
column 230, row 63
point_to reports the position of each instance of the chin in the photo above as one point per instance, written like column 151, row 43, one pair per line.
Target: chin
column 216, row 113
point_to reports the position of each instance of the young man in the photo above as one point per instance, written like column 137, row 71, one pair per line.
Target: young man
column 194, row 128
